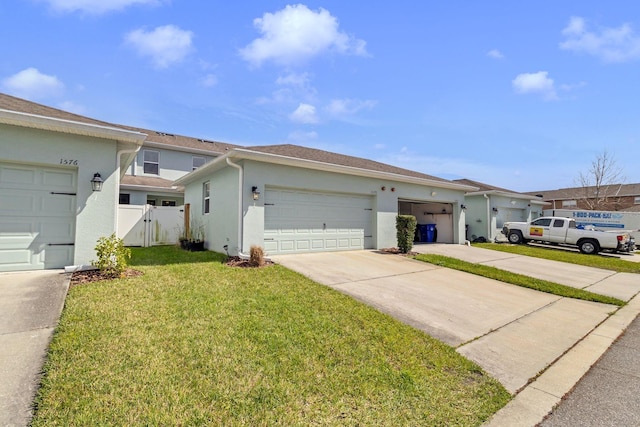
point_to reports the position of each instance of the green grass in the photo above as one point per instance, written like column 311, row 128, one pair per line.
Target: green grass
column 194, row 342
column 517, row 279
column 599, row 261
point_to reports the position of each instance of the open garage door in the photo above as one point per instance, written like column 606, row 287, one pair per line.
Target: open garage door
column 305, row 221
column 438, row 215
column 37, row 217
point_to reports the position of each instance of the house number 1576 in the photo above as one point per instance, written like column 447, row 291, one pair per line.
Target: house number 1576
column 73, row 162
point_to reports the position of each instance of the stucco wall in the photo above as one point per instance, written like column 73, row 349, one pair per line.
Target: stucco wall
column 95, row 211
column 173, row 164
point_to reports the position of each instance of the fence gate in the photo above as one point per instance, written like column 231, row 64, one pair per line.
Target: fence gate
column 146, row 225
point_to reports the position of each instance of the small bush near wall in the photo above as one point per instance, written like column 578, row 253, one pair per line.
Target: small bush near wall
column 112, row 256
column 406, row 230
column 256, row 256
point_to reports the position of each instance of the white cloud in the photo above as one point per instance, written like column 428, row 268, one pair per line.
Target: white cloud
column 294, row 79
column 495, row 54
column 95, row 7
column 305, row 113
column 210, row 80
column 347, row 107
column 536, row 83
column 32, row 84
column 295, row 34
column 166, row 45
column 619, row 44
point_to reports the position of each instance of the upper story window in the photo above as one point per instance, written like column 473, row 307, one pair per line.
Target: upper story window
column 569, row 203
column 197, row 162
column 206, row 197
column 636, row 200
column 151, row 159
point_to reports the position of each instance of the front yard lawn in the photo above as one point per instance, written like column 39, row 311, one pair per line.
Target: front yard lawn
column 606, row 262
column 195, row 342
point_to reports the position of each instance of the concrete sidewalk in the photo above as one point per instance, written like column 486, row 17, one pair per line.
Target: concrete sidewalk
column 512, row 332
column 30, row 307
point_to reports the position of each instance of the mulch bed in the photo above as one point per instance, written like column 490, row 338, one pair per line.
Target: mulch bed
column 235, row 261
column 396, row 251
column 90, row 276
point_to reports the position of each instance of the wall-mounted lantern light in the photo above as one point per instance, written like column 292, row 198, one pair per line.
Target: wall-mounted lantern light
column 383, row 188
column 96, row 182
column 463, row 207
column 255, row 192
column 393, row 189
column 495, row 210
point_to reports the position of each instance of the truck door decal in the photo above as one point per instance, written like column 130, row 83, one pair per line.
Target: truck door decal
column 536, row 231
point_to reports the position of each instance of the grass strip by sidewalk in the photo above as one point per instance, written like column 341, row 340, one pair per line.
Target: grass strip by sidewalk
column 517, row 279
column 195, row 342
column 552, row 253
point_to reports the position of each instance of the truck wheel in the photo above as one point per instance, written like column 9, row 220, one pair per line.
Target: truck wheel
column 589, row 247
column 515, row 237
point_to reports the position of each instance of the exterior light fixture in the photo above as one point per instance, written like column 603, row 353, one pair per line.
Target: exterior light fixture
column 383, row 188
column 96, row 182
column 255, row 192
column 495, row 210
column 463, row 207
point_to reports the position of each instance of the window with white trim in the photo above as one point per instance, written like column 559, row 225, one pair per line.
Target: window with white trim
column 636, row 200
column 206, row 197
column 197, row 161
column 569, row 203
column 151, row 162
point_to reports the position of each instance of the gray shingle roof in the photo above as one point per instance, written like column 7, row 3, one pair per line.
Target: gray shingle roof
column 571, row 193
column 313, row 154
column 8, row 102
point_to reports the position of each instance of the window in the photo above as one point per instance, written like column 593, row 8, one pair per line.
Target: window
column 151, row 202
column 168, row 203
column 124, row 199
column 205, row 197
column 197, row 162
column 569, row 203
column 636, row 200
column 151, row 162
column 542, row 222
column 558, row 222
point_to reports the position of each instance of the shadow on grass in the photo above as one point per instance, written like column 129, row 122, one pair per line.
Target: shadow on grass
column 165, row 255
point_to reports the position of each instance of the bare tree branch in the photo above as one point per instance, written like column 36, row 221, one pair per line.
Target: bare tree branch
column 601, row 182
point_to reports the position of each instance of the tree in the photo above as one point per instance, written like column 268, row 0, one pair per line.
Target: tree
column 601, row 183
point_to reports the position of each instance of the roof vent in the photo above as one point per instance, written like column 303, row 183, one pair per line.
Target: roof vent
column 206, row 140
column 164, row 134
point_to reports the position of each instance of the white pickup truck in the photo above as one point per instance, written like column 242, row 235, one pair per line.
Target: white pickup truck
column 564, row 231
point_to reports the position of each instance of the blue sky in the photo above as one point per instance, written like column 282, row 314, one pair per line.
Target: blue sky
column 522, row 96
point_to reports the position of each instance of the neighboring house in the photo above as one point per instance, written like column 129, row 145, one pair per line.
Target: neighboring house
column 292, row 199
column 50, row 217
column 613, row 197
column 489, row 207
column 164, row 158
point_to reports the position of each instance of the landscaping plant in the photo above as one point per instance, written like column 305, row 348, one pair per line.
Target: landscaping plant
column 406, row 230
column 256, row 256
column 112, row 255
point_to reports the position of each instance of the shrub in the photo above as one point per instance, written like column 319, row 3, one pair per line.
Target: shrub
column 112, row 255
column 256, row 256
column 406, row 230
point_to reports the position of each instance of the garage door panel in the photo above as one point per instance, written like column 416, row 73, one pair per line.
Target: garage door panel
column 32, row 219
column 302, row 221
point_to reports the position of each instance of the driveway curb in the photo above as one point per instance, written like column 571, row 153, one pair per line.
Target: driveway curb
column 538, row 398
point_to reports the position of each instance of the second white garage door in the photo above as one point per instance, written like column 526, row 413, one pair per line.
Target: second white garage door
column 37, row 217
column 304, row 221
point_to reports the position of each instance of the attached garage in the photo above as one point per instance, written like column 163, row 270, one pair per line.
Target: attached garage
column 37, row 217
column 305, row 221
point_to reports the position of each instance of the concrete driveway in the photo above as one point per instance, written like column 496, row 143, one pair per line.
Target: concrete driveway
column 30, row 306
column 512, row 332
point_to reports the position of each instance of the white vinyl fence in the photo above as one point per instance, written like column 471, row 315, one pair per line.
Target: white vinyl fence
column 146, row 225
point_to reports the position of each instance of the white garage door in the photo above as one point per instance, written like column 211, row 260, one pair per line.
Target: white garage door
column 37, row 217
column 304, row 221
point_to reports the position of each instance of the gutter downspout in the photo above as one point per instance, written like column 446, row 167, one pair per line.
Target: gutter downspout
column 240, row 199
column 489, row 220
column 118, row 162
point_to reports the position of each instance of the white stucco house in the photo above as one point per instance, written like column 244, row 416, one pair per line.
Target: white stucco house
column 292, row 199
column 489, row 207
column 50, row 216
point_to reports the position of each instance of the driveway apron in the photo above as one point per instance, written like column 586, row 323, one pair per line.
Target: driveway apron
column 30, row 306
column 511, row 332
